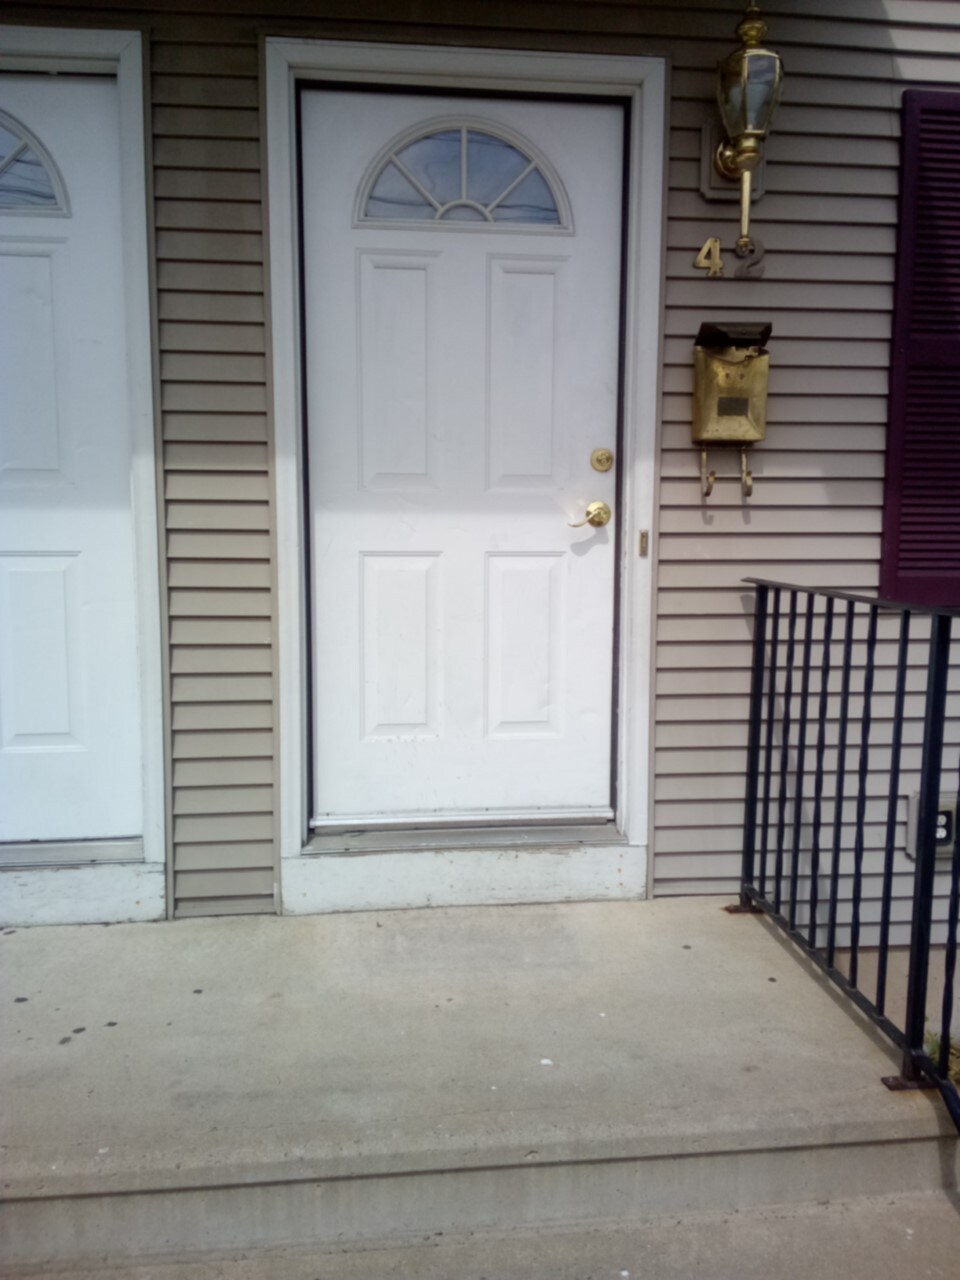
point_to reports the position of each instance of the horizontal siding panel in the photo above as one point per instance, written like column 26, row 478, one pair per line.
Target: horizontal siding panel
column 221, row 688
column 220, row 631
column 243, row 715
column 214, row 857
column 213, row 604
column 203, row 184
column 819, row 546
column 199, row 60
column 754, row 294
column 205, row 91
column 719, row 573
column 214, row 884
column 219, row 828
column 212, row 277
column 207, row 215
column 222, row 746
column 222, row 773
column 209, row 246
column 237, row 338
column 213, row 308
column 211, row 367
column 217, row 515
column 775, row 464
column 189, row 908
column 206, row 154
column 214, row 397
column 795, row 437
column 216, row 457
column 235, row 429
column 186, row 486
column 208, row 659
column 224, row 546
column 686, row 321
column 771, row 520
column 215, row 800
column 219, row 574
column 205, row 122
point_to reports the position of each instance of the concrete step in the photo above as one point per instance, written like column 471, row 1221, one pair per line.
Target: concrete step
column 866, row 1238
column 258, row 1085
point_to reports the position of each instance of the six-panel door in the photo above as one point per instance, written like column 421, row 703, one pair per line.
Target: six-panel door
column 461, row 264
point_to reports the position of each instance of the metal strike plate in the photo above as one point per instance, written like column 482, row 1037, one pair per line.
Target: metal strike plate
column 601, row 459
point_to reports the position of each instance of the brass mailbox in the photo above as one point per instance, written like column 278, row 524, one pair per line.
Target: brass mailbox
column 730, row 392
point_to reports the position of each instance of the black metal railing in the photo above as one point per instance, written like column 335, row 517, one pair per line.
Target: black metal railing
column 854, row 737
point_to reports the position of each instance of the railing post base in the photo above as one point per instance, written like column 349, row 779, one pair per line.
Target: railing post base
column 897, row 1084
column 746, row 906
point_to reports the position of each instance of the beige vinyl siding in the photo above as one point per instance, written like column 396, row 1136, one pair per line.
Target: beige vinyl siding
column 828, row 222
column 217, row 478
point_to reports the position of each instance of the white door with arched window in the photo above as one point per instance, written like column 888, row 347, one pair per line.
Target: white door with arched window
column 461, row 293
column 71, row 743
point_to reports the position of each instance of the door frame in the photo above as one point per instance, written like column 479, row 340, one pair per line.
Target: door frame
column 120, row 54
column 641, row 82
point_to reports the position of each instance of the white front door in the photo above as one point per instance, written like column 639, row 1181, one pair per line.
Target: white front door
column 70, row 726
column 461, row 290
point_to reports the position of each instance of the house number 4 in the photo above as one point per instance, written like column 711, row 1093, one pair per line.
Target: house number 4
column 709, row 259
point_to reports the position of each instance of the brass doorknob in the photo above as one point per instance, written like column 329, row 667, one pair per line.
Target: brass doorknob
column 598, row 514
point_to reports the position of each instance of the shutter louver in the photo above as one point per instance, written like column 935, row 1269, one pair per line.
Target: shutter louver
column 920, row 560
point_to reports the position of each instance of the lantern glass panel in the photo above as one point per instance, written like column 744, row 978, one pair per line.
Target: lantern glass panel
column 730, row 95
column 762, row 89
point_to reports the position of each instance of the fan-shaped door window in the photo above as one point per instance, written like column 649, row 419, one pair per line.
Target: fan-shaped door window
column 463, row 172
column 29, row 181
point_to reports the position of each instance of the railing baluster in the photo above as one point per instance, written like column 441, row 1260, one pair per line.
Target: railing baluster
column 768, row 744
column 909, row 1037
column 748, row 872
column 925, row 866
column 818, row 778
column 841, row 776
column 950, row 953
column 896, row 751
column 801, row 759
column 785, row 750
column 862, row 771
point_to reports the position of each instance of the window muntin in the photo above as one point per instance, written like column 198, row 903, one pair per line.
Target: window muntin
column 463, row 172
column 29, row 181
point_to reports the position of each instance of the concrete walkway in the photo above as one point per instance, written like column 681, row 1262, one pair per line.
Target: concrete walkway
column 258, row 1051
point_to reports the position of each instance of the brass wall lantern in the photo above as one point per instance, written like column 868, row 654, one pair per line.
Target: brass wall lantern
column 749, row 82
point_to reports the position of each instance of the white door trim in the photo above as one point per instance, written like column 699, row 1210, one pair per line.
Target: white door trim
column 641, row 81
column 120, row 54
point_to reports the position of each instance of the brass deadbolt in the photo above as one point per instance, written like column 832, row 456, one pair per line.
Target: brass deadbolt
column 601, row 459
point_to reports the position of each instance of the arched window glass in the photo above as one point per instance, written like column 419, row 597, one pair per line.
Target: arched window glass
column 28, row 178
column 464, row 174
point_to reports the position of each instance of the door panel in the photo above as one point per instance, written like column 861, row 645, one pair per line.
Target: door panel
column 457, row 379
column 70, row 740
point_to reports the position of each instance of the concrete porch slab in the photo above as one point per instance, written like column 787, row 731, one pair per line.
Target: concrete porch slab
column 251, row 1054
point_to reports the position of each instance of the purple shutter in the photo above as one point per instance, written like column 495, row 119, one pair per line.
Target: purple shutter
column 920, row 559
